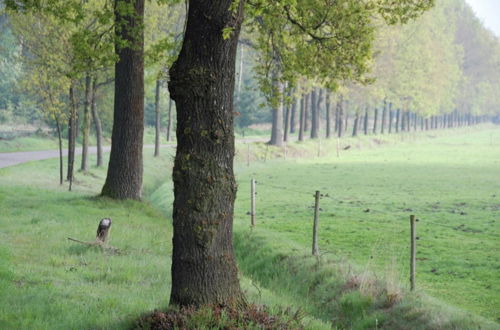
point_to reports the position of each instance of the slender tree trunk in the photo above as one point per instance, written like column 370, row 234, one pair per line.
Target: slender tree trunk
column 365, row 124
column 398, row 115
column 340, row 109
column 204, row 268
column 59, row 137
column 337, row 110
column 287, row 118
column 277, row 128
column 124, row 179
column 391, row 119
column 72, row 134
column 375, row 118
column 306, row 112
column 328, row 119
column 169, row 121
column 97, row 123
column 302, row 119
column 314, row 114
column 346, row 118
column 384, row 116
column 86, row 123
column 293, row 115
column 157, row 118
column 355, row 125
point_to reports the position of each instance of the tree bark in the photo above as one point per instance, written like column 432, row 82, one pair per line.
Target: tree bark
column 202, row 83
column 86, row 124
column 125, row 169
column 97, row 123
column 157, row 118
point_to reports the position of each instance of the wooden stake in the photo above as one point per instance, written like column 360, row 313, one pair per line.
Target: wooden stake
column 315, row 250
column 413, row 252
column 252, row 211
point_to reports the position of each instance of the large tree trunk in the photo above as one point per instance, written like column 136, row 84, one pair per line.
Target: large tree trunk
column 169, row 120
column 277, row 127
column 97, row 123
column 124, row 179
column 157, row 118
column 328, row 119
column 202, row 83
column 71, row 134
column 86, row 124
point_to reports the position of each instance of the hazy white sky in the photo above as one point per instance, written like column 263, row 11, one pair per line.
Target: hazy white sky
column 489, row 13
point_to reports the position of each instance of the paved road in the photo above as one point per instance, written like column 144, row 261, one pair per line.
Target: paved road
column 14, row 158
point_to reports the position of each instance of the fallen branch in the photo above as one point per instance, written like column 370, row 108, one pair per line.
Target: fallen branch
column 102, row 234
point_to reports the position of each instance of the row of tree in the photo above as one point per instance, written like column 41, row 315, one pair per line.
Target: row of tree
column 442, row 63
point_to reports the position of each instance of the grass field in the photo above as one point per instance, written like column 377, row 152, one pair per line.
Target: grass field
column 451, row 183
column 47, row 282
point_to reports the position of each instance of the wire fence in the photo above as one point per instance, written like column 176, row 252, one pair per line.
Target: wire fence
column 389, row 244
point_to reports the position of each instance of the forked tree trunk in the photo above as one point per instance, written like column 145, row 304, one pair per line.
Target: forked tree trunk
column 202, row 83
column 157, row 118
column 86, row 124
column 124, row 179
column 97, row 123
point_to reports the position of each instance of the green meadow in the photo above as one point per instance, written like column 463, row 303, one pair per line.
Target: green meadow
column 450, row 181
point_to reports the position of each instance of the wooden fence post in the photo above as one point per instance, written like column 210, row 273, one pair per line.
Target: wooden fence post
column 413, row 252
column 252, row 211
column 315, row 250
